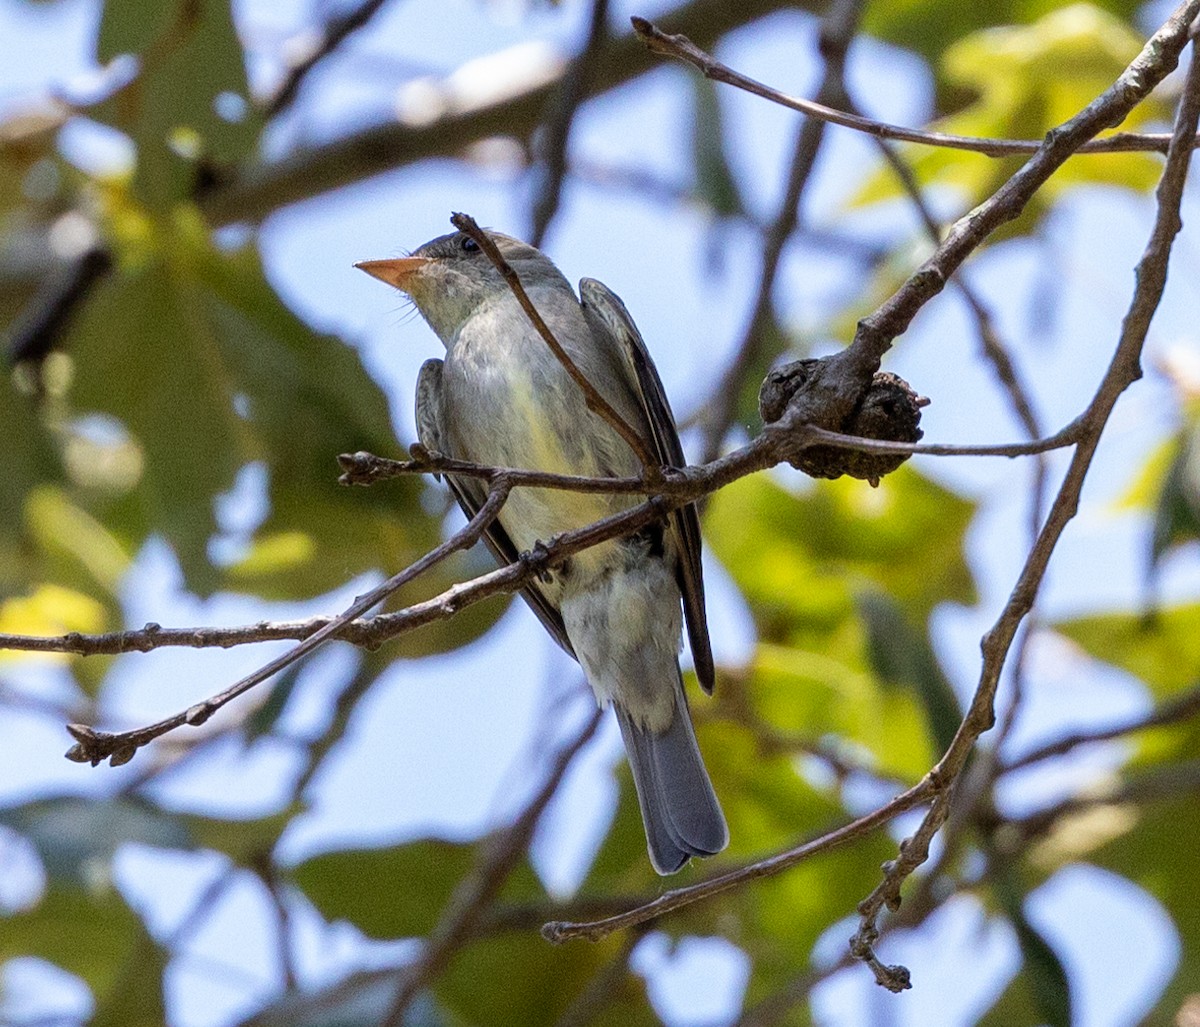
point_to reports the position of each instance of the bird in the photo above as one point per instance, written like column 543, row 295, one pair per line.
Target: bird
column 503, row 399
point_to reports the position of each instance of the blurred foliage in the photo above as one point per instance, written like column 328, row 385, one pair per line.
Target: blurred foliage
column 1025, row 80
column 1168, row 487
column 932, row 30
column 183, row 375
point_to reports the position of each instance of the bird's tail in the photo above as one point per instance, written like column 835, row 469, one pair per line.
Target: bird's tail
column 679, row 808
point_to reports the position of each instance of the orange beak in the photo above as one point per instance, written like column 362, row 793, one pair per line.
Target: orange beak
column 397, row 272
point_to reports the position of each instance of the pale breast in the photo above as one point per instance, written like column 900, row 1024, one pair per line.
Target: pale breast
column 508, row 402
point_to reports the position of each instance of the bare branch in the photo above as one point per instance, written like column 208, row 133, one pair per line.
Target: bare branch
column 836, row 33
column 677, row 898
column 1182, row 707
column 336, row 29
column 775, row 445
column 261, row 188
column 679, row 46
column 556, row 131
column 60, row 295
column 1123, row 370
column 94, row 746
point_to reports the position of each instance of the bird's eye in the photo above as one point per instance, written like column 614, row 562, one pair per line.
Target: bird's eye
column 468, row 245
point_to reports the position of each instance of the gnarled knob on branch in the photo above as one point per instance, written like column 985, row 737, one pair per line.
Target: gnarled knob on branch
column 890, row 410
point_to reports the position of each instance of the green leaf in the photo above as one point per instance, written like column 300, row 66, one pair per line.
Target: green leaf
column 136, row 998
column 1162, row 649
column 30, row 459
column 1027, row 79
column 131, row 26
column 931, row 26
column 76, row 838
column 1156, row 855
column 715, row 184
column 1043, row 972
column 93, row 934
column 395, row 892
column 1177, row 510
column 246, row 842
column 795, row 557
column 189, row 56
column 903, row 658
column 839, row 705
column 177, row 404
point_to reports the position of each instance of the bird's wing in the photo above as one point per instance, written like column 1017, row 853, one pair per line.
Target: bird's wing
column 471, row 494
column 608, row 319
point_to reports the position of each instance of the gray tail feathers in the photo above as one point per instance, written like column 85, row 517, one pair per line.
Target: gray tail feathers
column 679, row 808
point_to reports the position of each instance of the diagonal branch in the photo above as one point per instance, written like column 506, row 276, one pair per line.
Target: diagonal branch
column 556, row 132
column 94, row 746
column 335, row 30
column 262, row 187
column 836, row 34
column 677, row 898
column 1123, row 370
column 684, row 49
column 1173, row 711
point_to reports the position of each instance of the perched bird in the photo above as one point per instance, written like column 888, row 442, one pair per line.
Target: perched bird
column 503, row 399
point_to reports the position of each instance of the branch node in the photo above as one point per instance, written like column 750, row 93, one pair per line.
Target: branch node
column 122, row 755
column 198, row 714
column 828, row 393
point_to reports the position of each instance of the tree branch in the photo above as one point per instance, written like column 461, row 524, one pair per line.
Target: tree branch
column 94, row 746
column 774, row 446
column 262, row 188
column 1152, row 64
column 552, row 151
column 836, row 34
column 1180, row 708
column 682, row 48
column 560, row 931
column 335, row 30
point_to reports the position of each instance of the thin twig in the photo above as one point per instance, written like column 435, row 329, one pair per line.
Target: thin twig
column 772, row 447
column 596, row 402
column 1180, row 708
column 556, row 132
column 836, row 33
column 1166, row 782
column 682, row 48
column 514, row 107
column 966, row 800
column 94, row 746
column 335, row 30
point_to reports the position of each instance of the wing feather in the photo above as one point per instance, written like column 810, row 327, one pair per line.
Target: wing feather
column 608, row 319
column 471, row 494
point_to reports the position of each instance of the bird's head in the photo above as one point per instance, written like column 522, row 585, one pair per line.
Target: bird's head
column 449, row 278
